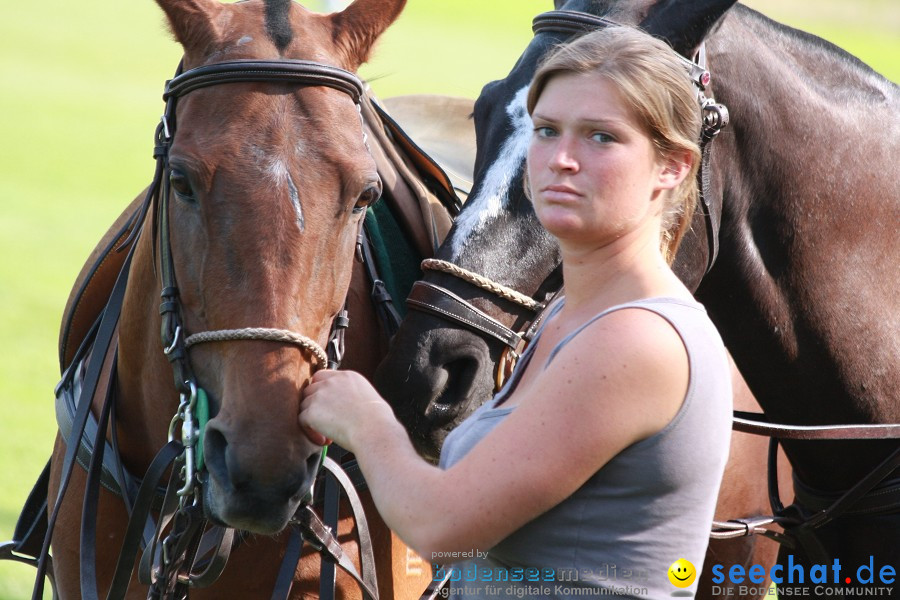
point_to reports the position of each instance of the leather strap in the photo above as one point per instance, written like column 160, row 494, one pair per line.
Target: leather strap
column 366, row 550
column 758, row 424
column 711, row 211
column 436, row 300
column 89, row 513
column 859, row 497
column 294, row 72
column 322, row 539
column 105, row 333
column 292, row 553
column 381, row 298
column 331, row 514
column 434, row 588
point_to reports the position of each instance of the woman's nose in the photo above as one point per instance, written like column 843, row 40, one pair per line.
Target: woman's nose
column 564, row 157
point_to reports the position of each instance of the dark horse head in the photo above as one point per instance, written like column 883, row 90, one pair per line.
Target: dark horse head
column 804, row 288
column 268, row 184
column 437, row 373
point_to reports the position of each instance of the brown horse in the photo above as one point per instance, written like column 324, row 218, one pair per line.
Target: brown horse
column 269, row 182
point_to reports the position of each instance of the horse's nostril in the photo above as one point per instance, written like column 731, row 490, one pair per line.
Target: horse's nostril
column 215, row 447
column 461, row 375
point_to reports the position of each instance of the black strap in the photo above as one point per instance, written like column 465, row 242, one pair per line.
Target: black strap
column 221, row 540
column 142, row 506
column 434, row 588
column 285, row 579
column 332, row 501
column 105, row 334
column 381, row 298
column 295, row 72
column 710, row 210
column 88, row 556
column 32, row 524
column 322, row 539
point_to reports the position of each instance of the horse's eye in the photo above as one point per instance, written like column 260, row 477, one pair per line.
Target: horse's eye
column 368, row 196
column 181, row 185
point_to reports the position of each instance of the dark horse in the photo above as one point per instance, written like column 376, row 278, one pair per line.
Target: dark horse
column 267, row 181
column 804, row 287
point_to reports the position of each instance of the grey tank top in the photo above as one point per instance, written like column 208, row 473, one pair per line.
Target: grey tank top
column 649, row 506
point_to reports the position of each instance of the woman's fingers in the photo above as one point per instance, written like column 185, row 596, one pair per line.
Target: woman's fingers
column 314, row 436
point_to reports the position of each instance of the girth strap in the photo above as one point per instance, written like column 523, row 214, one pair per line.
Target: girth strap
column 444, row 303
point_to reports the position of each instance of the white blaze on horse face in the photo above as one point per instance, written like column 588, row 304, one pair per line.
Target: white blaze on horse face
column 280, row 175
column 494, row 192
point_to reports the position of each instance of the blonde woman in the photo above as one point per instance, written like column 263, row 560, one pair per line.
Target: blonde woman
column 598, row 464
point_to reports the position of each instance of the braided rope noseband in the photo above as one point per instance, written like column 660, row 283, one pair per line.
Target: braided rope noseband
column 484, row 283
column 260, row 333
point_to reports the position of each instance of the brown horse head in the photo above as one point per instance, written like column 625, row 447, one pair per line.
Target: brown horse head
column 269, row 181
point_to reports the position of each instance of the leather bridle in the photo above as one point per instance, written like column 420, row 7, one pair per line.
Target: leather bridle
column 168, row 564
column 436, row 300
column 297, row 73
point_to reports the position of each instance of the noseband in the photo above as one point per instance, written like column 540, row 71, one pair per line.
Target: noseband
column 291, row 72
column 439, row 301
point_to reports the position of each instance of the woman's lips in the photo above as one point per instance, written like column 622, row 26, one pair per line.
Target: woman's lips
column 560, row 193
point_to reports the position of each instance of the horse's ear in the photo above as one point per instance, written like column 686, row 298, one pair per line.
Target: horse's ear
column 685, row 23
column 358, row 26
column 193, row 21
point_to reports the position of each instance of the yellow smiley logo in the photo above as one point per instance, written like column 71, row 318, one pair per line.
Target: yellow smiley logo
column 682, row 573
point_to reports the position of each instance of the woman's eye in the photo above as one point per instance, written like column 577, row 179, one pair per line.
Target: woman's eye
column 603, row 138
column 544, row 132
column 181, row 185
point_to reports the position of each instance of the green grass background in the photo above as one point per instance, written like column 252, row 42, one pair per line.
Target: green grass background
column 80, row 86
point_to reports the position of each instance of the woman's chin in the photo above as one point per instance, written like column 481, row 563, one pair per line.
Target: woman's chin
column 561, row 224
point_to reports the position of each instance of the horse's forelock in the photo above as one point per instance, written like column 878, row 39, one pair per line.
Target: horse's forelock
column 278, row 24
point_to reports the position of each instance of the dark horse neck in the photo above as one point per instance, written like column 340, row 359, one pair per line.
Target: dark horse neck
column 803, row 291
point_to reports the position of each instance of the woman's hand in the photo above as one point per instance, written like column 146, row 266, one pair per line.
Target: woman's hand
column 336, row 403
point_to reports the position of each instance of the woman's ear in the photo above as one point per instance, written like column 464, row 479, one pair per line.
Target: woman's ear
column 675, row 167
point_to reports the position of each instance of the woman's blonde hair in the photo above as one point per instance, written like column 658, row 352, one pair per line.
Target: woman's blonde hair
column 654, row 82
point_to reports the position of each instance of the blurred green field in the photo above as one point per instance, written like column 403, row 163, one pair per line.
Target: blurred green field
column 79, row 103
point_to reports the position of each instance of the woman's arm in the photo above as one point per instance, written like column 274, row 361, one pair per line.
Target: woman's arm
column 620, row 380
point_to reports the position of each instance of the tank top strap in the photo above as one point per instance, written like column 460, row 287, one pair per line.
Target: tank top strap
column 644, row 303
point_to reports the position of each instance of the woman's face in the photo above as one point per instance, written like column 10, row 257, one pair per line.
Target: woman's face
column 594, row 173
